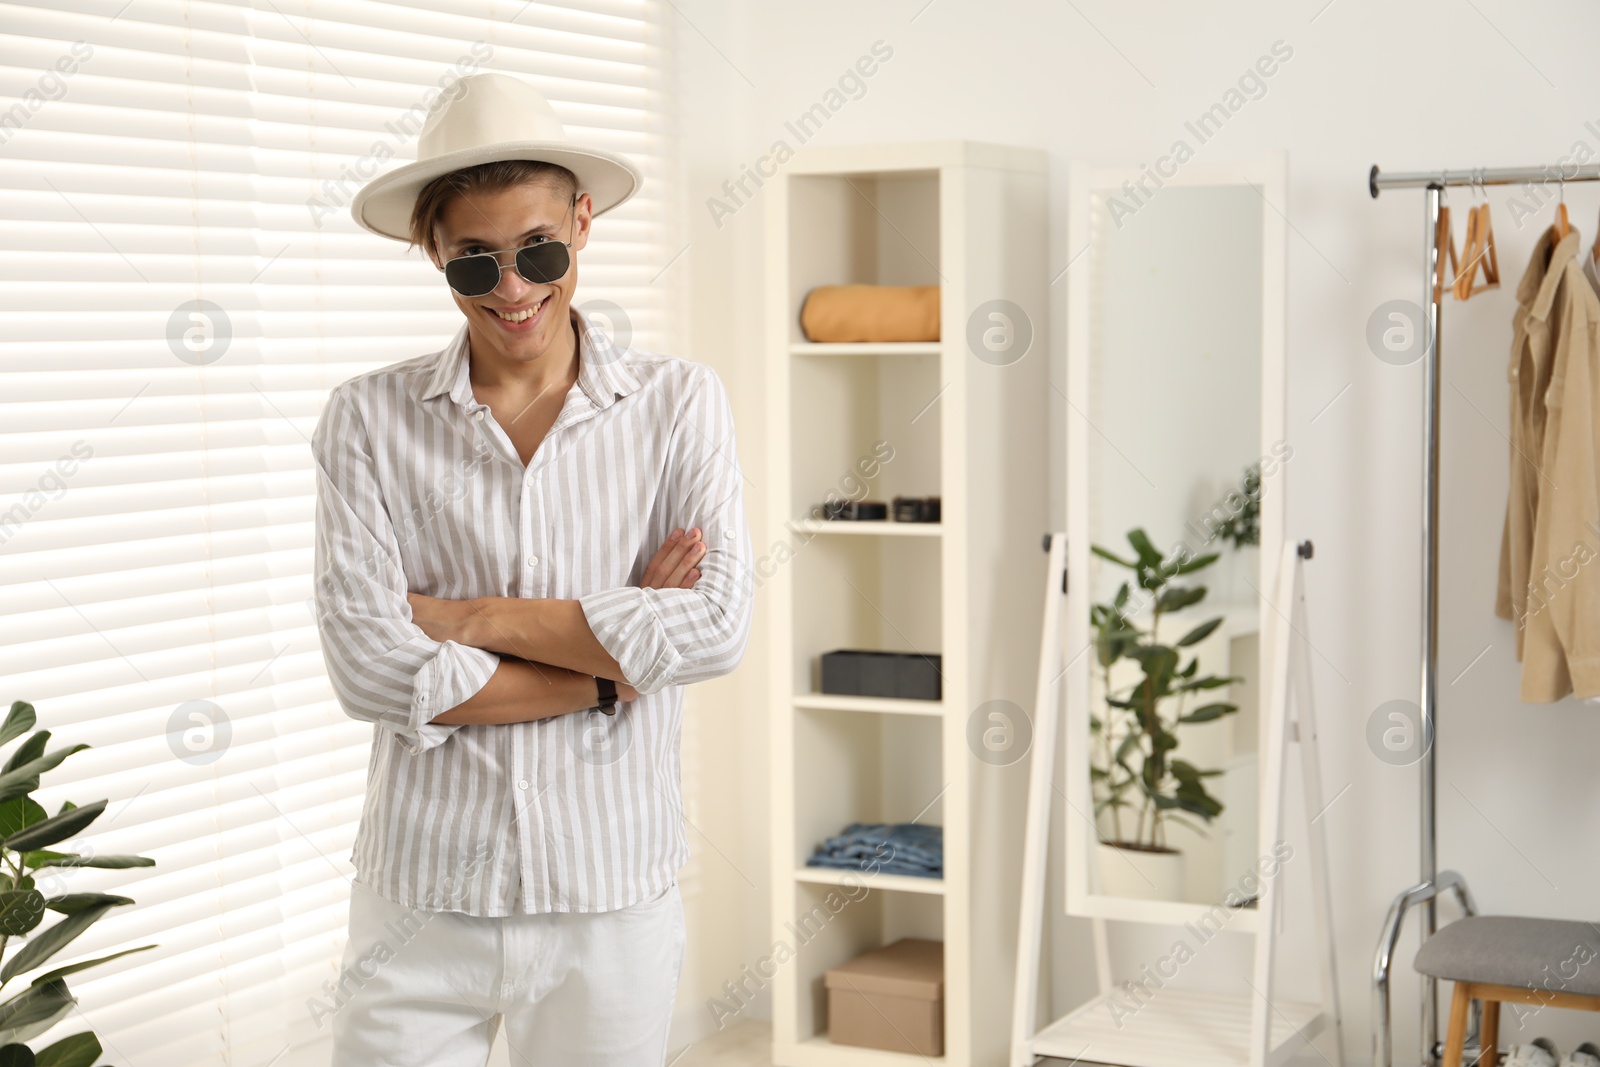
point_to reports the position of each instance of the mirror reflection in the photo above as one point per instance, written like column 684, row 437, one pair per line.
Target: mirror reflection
column 1175, row 464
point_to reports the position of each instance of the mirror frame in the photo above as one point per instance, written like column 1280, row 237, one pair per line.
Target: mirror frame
column 1268, row 175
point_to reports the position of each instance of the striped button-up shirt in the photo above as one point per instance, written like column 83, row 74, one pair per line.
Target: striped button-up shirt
column 419, row 489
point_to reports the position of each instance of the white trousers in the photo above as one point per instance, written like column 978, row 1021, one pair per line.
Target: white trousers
column 429, row 989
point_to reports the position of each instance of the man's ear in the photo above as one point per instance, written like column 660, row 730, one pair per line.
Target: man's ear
column 583, row 219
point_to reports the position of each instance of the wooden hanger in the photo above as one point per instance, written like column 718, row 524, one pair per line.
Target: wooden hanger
column 1563, row 227
column 1444, row 244
column 1479, row 253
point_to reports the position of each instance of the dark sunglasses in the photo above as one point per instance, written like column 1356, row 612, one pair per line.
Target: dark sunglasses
column 479, row 274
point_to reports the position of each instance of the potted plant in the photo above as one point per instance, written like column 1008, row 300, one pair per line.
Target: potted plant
column 26, row 834
column 1139, row 782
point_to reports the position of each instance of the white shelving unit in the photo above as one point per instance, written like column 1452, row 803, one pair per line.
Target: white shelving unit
column 973, row 431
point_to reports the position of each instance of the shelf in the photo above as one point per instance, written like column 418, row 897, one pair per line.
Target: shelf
column 820, row 1052
column 883, row 705
column 1164, row 912
column 905, row 883
column 1174, row 1028
column 868, row 527
column 880, row 348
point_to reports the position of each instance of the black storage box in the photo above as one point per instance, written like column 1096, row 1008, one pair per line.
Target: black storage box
column 867, row 673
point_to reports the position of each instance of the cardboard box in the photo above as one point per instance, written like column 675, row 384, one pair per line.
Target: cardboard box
column 890, row 998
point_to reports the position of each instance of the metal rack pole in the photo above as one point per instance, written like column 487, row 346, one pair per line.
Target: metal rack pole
column 1434, row 883
column 1428, row 691
column 1418, row 179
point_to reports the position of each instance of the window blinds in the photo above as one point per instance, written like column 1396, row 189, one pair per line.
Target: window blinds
column 181, row 285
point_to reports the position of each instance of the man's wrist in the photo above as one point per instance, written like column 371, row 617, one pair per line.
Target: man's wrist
column 480, row 628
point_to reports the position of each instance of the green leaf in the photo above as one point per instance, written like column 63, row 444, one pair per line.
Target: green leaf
column 68, row 903
column 79, row 1050
column 54, row 829
column 1210, row 681
column 29, row 750
column 1198, row 563
column 1199, row 804
column 1199, row 633
column 45, row 858
column 32, row 769
column 1113, row 557
column 15, row 1055
column 34, row 1010
column 46, row 944
column 20, row 911
column 19, row 812
column 1175, row 598
column 19, row 721
column 83, row 965
column 1185, row 771
column 19, row 788
column 1209, row 713
column 1149, row 555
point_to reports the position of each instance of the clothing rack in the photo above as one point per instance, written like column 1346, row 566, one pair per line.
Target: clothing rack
column 1434, row 883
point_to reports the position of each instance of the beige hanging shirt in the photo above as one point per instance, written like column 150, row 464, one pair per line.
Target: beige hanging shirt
column 1561, row 617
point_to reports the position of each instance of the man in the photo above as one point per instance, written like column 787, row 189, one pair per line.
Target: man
column 526, row 544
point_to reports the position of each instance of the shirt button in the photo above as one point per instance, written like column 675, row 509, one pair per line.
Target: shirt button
column 522, row 784
column 478, row 414
column 728, row 533
column 533, row 561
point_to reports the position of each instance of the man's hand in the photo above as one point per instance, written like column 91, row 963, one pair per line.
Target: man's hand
column 673, row 565
column 443, row 620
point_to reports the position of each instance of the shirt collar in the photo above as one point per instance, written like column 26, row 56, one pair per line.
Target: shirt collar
column 1565, row 251
column 603, row 372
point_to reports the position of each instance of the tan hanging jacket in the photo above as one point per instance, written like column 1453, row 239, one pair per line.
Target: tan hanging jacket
column 1560, row 619
column 1529, row 375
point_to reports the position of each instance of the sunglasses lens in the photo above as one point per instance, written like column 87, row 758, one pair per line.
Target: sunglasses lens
column 473, row 275
column 544, row 262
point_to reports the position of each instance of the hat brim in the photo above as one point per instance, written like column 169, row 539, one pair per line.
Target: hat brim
column 384, row 205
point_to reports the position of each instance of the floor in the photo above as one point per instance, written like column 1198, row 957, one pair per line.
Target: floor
column 748, row 1044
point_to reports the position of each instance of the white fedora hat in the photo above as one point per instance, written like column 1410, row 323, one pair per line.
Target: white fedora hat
column 491, row 116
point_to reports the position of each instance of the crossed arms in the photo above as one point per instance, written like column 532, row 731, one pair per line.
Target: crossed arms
column 557, row 654
column 422, row 667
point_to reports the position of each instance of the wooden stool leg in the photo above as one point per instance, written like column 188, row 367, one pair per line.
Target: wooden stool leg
column 1491, row 1034
column 1455, row 1038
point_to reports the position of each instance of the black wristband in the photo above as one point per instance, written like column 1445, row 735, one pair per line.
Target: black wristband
column 608, row 695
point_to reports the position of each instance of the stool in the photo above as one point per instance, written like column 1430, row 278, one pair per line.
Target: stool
column 1500, row 958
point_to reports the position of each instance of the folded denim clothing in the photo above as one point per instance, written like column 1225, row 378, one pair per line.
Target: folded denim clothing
column 914, row 870
column 901, row 848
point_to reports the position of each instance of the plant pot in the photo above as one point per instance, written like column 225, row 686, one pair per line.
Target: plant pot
column 1140, row 873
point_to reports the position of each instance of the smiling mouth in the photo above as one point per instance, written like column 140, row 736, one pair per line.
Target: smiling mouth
column 520, row 316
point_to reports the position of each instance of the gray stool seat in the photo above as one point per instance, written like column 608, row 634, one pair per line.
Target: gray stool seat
column 1547, row 954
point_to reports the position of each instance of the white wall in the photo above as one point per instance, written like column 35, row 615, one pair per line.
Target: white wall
column 1406, row 85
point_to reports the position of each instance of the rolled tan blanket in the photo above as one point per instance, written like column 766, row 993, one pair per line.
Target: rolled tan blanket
column 854, row 313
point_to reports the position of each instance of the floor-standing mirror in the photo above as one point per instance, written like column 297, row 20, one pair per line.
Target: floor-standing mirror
column 1176, row 470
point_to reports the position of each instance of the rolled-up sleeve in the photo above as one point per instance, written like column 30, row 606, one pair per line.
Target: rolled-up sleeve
column 384, row 669
column 662, row 637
